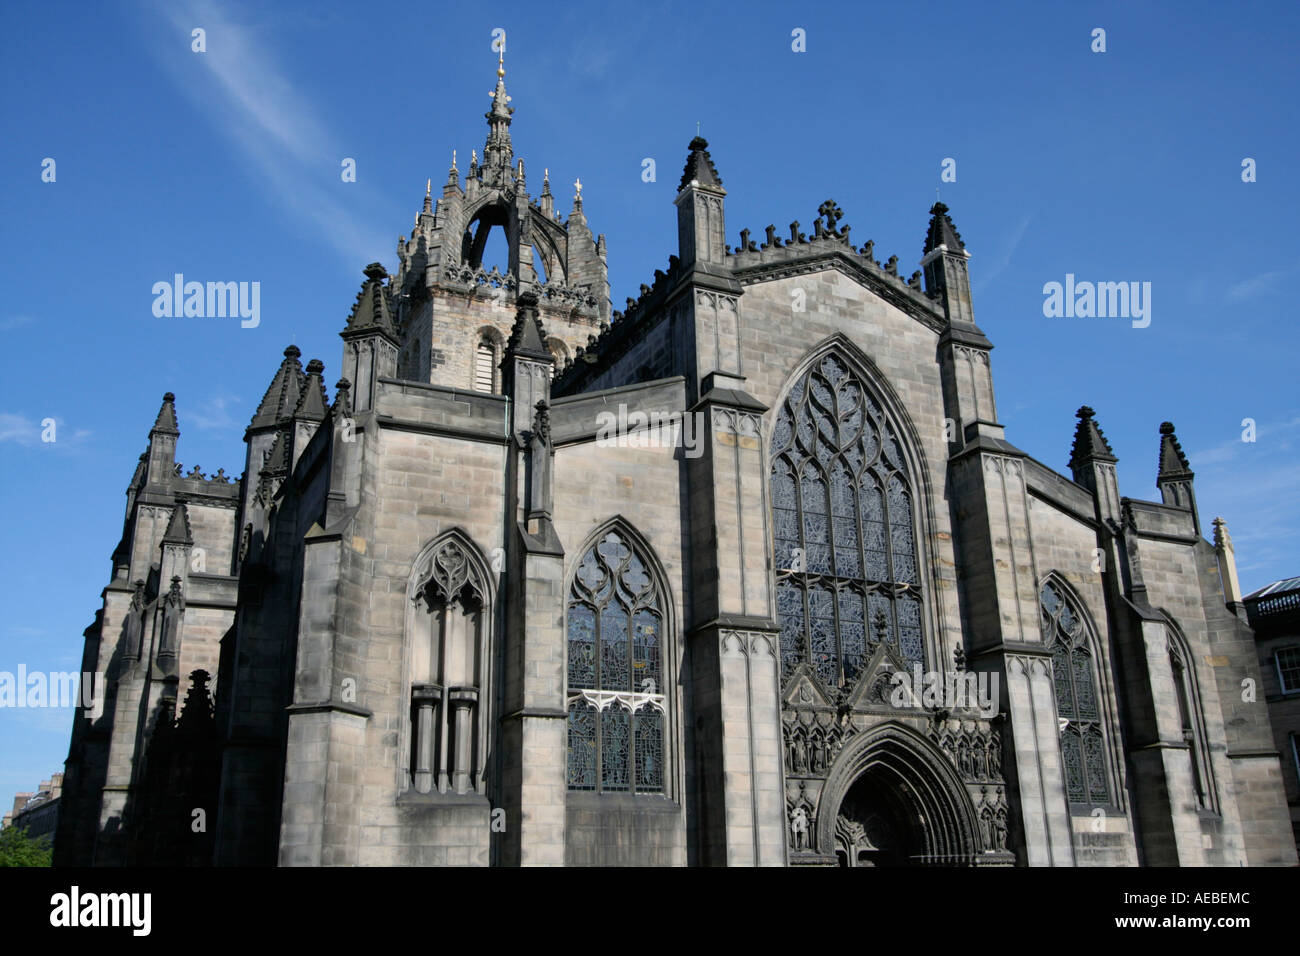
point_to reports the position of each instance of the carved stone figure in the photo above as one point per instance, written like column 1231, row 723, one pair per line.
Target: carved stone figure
column 799, row 754
column 963, row 760
column 799, row 827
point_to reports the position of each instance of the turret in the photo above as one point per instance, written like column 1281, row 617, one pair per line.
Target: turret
column 944, row 258
column 1174, row 475
column 370, row 341
column 162, row 446
column 701, row 225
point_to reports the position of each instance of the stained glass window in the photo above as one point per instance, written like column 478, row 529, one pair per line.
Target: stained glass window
column 1077, row 703
column 615, row 649
column 844, row 530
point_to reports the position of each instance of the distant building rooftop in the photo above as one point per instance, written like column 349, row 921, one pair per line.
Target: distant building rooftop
column 1274, row 605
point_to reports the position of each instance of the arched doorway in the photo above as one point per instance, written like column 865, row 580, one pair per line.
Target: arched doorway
column 894, row 799
column 877, row 826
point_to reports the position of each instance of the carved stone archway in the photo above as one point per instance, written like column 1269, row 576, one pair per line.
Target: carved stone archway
column 893, row 798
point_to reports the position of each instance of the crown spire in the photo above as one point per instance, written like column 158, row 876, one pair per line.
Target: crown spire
column 497, row 151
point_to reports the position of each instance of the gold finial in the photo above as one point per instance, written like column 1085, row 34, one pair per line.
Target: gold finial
column 473, row 157
column 546, row 174
column 577, row 184
column 501, row 62
column 453, row 159
column 428, row 188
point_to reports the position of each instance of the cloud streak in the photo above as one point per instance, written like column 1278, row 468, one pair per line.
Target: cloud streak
column 253, row 103
column 999, row 263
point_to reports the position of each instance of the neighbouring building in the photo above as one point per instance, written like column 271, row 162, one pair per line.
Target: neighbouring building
column 37, row 813
column 1274, row 613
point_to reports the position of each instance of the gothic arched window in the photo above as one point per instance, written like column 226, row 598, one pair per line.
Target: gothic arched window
column 485, row 362
column 449, row 624
column 847, row 576
column 1078, row 705
column 616, row 700
column 1190, row 721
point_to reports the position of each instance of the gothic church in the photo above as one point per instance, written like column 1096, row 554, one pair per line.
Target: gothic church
column 443, row 619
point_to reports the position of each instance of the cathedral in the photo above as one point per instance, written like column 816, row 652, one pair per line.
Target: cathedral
column 747, row 573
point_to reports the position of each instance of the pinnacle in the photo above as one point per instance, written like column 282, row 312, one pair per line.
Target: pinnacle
column 178, row 528
column 527, row 336
column 372, row 310
column 312, row 405
column 699, row 166
column 1089, row 442
column 165, row 423
column 941, row 232
column 1173, row 463
column 283, row 393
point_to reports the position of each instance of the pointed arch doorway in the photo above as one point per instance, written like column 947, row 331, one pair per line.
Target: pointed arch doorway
column 893, row 799
column 877, row 826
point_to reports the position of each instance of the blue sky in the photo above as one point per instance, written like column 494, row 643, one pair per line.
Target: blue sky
column 225, row 166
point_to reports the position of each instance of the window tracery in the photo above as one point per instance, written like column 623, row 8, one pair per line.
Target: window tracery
column 844, row 530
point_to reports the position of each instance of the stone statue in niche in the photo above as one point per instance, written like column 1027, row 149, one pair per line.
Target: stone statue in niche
column 799, row 754
column 1000, row 831
column 819, row 754
column 799, row 827
column 995, row 756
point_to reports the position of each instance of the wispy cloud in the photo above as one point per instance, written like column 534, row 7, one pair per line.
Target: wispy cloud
column 11, row 322
column 255, row 104
column 18, row 429
column 1253, row 486
column 1259, row 284
column 213, row 414
column 998, row 263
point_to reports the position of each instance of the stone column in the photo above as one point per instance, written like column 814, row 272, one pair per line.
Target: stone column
column 426, row 698
column 463, row 700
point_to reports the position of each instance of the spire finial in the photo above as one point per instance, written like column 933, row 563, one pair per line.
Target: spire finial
column 453, row 159
column 428, row 188
column 501, row 61
column 577, row 185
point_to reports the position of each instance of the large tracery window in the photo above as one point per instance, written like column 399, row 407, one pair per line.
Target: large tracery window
column 844, row 531
column 1083, row 746
column 616, row 702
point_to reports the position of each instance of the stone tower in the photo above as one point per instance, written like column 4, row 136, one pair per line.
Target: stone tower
column 454, row 311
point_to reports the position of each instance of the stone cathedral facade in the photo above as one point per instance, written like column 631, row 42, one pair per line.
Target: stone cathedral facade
column 699, row 582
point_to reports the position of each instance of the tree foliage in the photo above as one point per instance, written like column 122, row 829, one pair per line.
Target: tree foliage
column 19, row 849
